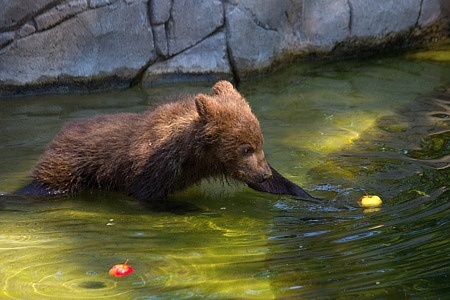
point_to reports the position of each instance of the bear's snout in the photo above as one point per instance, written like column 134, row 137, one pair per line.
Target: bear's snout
column 267, row 174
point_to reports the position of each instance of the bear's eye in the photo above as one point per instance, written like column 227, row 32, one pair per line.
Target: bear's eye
column 246, row 149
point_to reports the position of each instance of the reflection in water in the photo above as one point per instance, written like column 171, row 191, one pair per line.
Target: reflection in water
column 340, row 129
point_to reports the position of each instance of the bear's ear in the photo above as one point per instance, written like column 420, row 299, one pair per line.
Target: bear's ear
column 205, row 106
column 223, row 88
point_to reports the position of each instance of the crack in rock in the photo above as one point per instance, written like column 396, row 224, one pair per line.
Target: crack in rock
column 47, row 40
column 59, row 14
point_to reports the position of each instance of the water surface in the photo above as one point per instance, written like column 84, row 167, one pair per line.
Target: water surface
column 339, row 129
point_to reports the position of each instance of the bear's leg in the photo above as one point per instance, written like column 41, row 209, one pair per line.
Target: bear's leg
column 36, row 188
column 277, row 184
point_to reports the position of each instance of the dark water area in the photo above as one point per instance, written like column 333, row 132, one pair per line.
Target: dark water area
column 341, row 130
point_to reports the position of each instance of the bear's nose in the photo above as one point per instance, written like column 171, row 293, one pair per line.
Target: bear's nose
column 267, row 175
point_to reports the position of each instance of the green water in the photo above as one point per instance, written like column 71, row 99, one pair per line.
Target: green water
column 339, row 129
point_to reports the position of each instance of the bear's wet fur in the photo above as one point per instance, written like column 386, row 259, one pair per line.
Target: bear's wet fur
column 152, row 154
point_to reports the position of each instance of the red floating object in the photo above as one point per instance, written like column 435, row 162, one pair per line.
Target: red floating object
column 120, row 270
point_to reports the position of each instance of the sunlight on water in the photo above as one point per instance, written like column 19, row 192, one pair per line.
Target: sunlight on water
column 75, row 244
column 340, row 129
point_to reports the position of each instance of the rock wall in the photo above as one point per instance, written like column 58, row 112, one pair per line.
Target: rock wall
column 65, row 45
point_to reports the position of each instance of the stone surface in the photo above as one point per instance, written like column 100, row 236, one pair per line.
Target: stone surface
column 87, row 44
column 430, row 11
column 273, row 14
column 160, row 36
column 100, row 3
column 381, row 17
column 324, row 23
column 59, row 13
column 6, row 38
column 160, row 11
column 191, row 22
column 251, row 46
column 94, row 42
column 15, row 13
column 208, row 57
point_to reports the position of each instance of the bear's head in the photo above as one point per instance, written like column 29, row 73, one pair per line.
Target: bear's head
column 233, row 134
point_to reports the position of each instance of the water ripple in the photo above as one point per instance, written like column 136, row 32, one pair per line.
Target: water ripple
column 398, row 250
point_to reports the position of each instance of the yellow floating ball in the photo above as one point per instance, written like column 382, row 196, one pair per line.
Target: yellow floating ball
column 370, row 201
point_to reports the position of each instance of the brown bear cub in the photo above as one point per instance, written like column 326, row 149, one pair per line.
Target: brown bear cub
column 161, row 151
